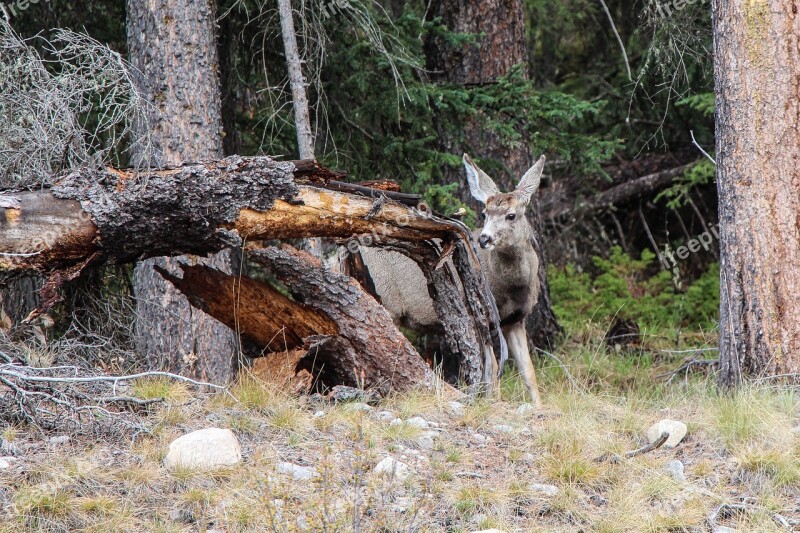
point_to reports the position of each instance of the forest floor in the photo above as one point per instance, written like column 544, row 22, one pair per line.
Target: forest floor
column 473, row 465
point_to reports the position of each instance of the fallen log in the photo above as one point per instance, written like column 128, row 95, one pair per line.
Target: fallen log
column 92, row 216
column 349, row 339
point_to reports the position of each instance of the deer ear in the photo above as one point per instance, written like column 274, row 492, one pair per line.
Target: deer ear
column 530, row 182
column 480, row 184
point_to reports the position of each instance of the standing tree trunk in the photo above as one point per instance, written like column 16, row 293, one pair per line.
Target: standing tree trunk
column 172, row 43
column 491, row 57
column 756, row 71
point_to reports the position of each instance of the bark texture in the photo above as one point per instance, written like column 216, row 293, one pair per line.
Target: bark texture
column 756, row 70
column 173, row 44
column 348, row 338
column 122, row 216
column 486, row 60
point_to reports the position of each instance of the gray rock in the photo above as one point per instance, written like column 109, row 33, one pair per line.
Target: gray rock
column 677, row 431
column 426, row 440
column 389, row 466
column 396, row 422
column 418, row 422
column 319, row 414
column 7, row 462
column 526, row 409
column 545, row 490
column 181, row 515
column 489, row 531
column 361, row 406
column 204, row 449
column 386, row 416
column 480, row 439
column 457, row 408
column 504, row 428
column 675, row 468
column 300, row 473
column 60, row 439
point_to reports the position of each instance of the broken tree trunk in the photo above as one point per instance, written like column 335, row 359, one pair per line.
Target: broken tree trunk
column 112, row 215
column 348, row 338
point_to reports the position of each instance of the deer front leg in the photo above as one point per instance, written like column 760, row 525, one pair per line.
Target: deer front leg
column 518, row 346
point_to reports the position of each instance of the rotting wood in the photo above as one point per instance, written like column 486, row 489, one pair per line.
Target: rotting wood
column 121, row 216
column 348, row 338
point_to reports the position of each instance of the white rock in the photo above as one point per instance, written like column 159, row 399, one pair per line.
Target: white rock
column 480, row 439
column 386, row 416
column 547, row 490
column 319, row 414
column 7, row 462
column 526, row 409
column 675, row 468
column 61, row 439
column 361, row 406
column 418, row 422
column 390, row 466
column 457, row 408
column 677, row 431
column 396, row 422
column 204, row 449
column 504, row 428
column 300, row 473
column 528, row 458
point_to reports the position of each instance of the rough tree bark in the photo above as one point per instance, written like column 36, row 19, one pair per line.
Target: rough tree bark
column 122, row 216
column 756, row 71
column 347, row 337
column 490, row 58
column 173, row 44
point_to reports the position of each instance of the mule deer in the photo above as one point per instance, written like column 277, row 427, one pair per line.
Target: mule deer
column 507, row 256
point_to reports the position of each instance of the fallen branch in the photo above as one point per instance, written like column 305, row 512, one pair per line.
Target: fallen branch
column 616, row 458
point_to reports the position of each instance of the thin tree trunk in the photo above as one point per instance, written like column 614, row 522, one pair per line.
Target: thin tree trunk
column 491, row 57
column 302, row 121
column 172, row 43
column 757, row 68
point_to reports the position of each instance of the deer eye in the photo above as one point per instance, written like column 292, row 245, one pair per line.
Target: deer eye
column 511, row 216
column 482, row 216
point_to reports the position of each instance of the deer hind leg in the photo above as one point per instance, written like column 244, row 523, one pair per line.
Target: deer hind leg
column 518, row 346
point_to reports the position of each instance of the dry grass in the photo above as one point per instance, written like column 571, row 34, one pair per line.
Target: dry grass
column 741, row 447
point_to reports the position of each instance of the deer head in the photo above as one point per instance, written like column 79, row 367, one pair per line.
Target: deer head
column 504, row 222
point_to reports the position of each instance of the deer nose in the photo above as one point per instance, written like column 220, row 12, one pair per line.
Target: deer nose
column 485, row 241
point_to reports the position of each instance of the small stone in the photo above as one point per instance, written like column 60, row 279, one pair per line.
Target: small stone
column 204, row 449
column 457, row 408
column 396, row 422
column 528, row 458
column 300, row 473
column 504, row 428
column 7, row 462
column 526, row 409
column 723, row 529
column 60, row 439
column 489, row 531
column 393, row 468
column 675, row 468
column 546, row 490
column 361, row 406
column 319, row 414
column 677, row 431
column 386, row 416
column 401, row 504
column 426, row 440
column 181, row 515
column 480, row 439
column 418, row 422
